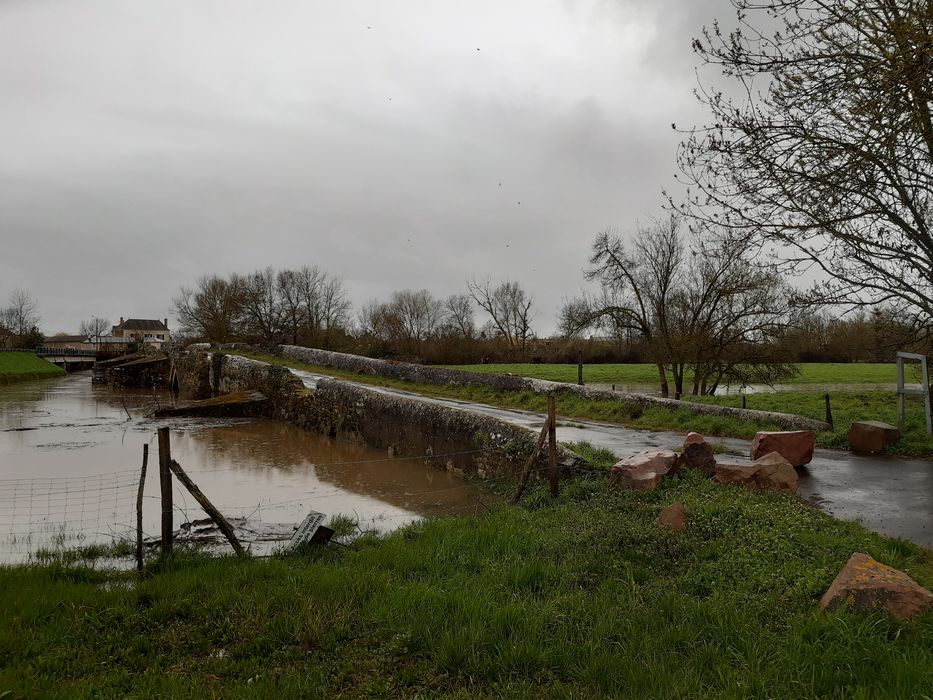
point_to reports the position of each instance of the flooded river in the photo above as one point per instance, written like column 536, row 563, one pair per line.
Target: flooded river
column 70, row 456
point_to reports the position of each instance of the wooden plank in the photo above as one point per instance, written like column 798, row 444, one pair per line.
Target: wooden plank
column 526, row 471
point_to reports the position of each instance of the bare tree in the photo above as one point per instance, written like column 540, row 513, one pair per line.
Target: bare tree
column 458, row 315
column 324, row 303
column 261, row 308
column 290, row 290
column 21, row 320
column 212, row 309
column 509, row 309
column 94, row 327
column 709, row 309
column 828, row 149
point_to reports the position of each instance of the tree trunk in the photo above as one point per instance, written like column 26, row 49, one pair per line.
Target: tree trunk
column 662, row 375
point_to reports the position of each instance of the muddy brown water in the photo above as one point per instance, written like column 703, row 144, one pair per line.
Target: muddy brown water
column 70, row 458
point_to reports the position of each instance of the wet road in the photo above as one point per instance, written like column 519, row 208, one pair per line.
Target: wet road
column 890, row 495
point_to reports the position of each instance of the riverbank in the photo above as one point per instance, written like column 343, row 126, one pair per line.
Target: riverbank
column 584, row 597
column 847, row 407
column 25, row 366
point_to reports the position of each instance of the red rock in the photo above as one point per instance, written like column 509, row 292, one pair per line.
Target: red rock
column 644, row 471
column 769, row 473
column 698, row 454
column 674, row 517
column 871, row 436
column 865, row 584
column 796, row 446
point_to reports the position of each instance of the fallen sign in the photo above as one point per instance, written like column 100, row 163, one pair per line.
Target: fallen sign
column 311, row 531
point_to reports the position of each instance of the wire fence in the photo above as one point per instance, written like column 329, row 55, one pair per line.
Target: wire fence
column 40, row 516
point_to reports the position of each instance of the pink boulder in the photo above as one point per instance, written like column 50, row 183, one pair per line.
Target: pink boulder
column 796, row 446
column 865, row 584
column 698, row 454
column 644, row 471
column 769, row 473
column 871, row 436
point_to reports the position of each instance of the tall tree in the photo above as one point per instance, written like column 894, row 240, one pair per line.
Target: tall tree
column 94, row 327
column 700, row 304
column 827, row 150
column 509, row 309
column 211, row 309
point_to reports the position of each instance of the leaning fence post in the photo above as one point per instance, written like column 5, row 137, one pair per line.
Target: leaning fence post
column 580, row 367
column 526, row 472
column 139, row 509
column 208, row 507
column 552, row 442
column 829, row 411
column 165, row 482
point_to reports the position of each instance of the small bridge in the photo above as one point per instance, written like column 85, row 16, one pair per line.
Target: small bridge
column 70, row 359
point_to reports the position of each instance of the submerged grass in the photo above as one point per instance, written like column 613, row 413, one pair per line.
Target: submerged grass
column 583, row 597
column 846, row 406
column 23, row 366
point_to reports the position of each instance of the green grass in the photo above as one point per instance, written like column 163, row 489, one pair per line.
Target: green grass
column 847, row 407
column 23, row 366
column 812, row 373
column 587, row 597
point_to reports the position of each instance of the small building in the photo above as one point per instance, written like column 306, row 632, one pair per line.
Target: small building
column 143, row 330
column 69, row 342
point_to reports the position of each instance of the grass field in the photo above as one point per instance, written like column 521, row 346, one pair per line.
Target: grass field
column 587, row 597
column 812, row 373
column 22, row 366
column 846, row 406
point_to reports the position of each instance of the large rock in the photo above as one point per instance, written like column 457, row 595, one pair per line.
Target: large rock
column 769, row 473
column 674, row 517
column 644, row 471
column 698, row 454
column 796, row 446
column 871, row 436
column 865, row 584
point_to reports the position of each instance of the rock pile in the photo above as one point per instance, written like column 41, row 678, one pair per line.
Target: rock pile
column 771, row 471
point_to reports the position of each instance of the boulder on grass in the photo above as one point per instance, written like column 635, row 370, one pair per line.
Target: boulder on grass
column 865, row 585
column 644, row 471
column 769, row 473
column 796, row 446
column 871, row 436
column 698, row 454
column 674, row 517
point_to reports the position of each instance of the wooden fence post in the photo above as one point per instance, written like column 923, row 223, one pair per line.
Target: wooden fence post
column 580, row 367
column 165, row 482
column 552, row 442
column 139, row 509
column 829, row 412
column 526, row 472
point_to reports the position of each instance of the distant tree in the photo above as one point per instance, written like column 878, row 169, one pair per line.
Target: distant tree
column 709, row 308
column 211, row 309
column 508, row 307
column 458, row 316
column 95, row 327
column 827, row 148
column 324, row 304
column 262, row 313
column 21, row 320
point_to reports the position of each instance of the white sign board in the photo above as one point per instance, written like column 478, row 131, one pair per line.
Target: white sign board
column 306, row 530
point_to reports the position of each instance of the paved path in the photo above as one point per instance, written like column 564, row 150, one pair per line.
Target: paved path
column 893, row 496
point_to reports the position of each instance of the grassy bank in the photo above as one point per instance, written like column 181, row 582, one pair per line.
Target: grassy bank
column 847, row 407
column 587, row 597
column 810, row 373
column 23, row 366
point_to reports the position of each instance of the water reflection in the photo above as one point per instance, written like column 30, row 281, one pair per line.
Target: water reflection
column 62, row 435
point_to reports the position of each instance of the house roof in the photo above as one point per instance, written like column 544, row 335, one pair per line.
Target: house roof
column 141, row 324
column 66, row 339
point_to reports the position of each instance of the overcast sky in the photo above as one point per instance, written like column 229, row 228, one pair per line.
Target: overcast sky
column 397, row 144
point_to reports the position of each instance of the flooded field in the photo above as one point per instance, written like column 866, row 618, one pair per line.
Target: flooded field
column 70, row 457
